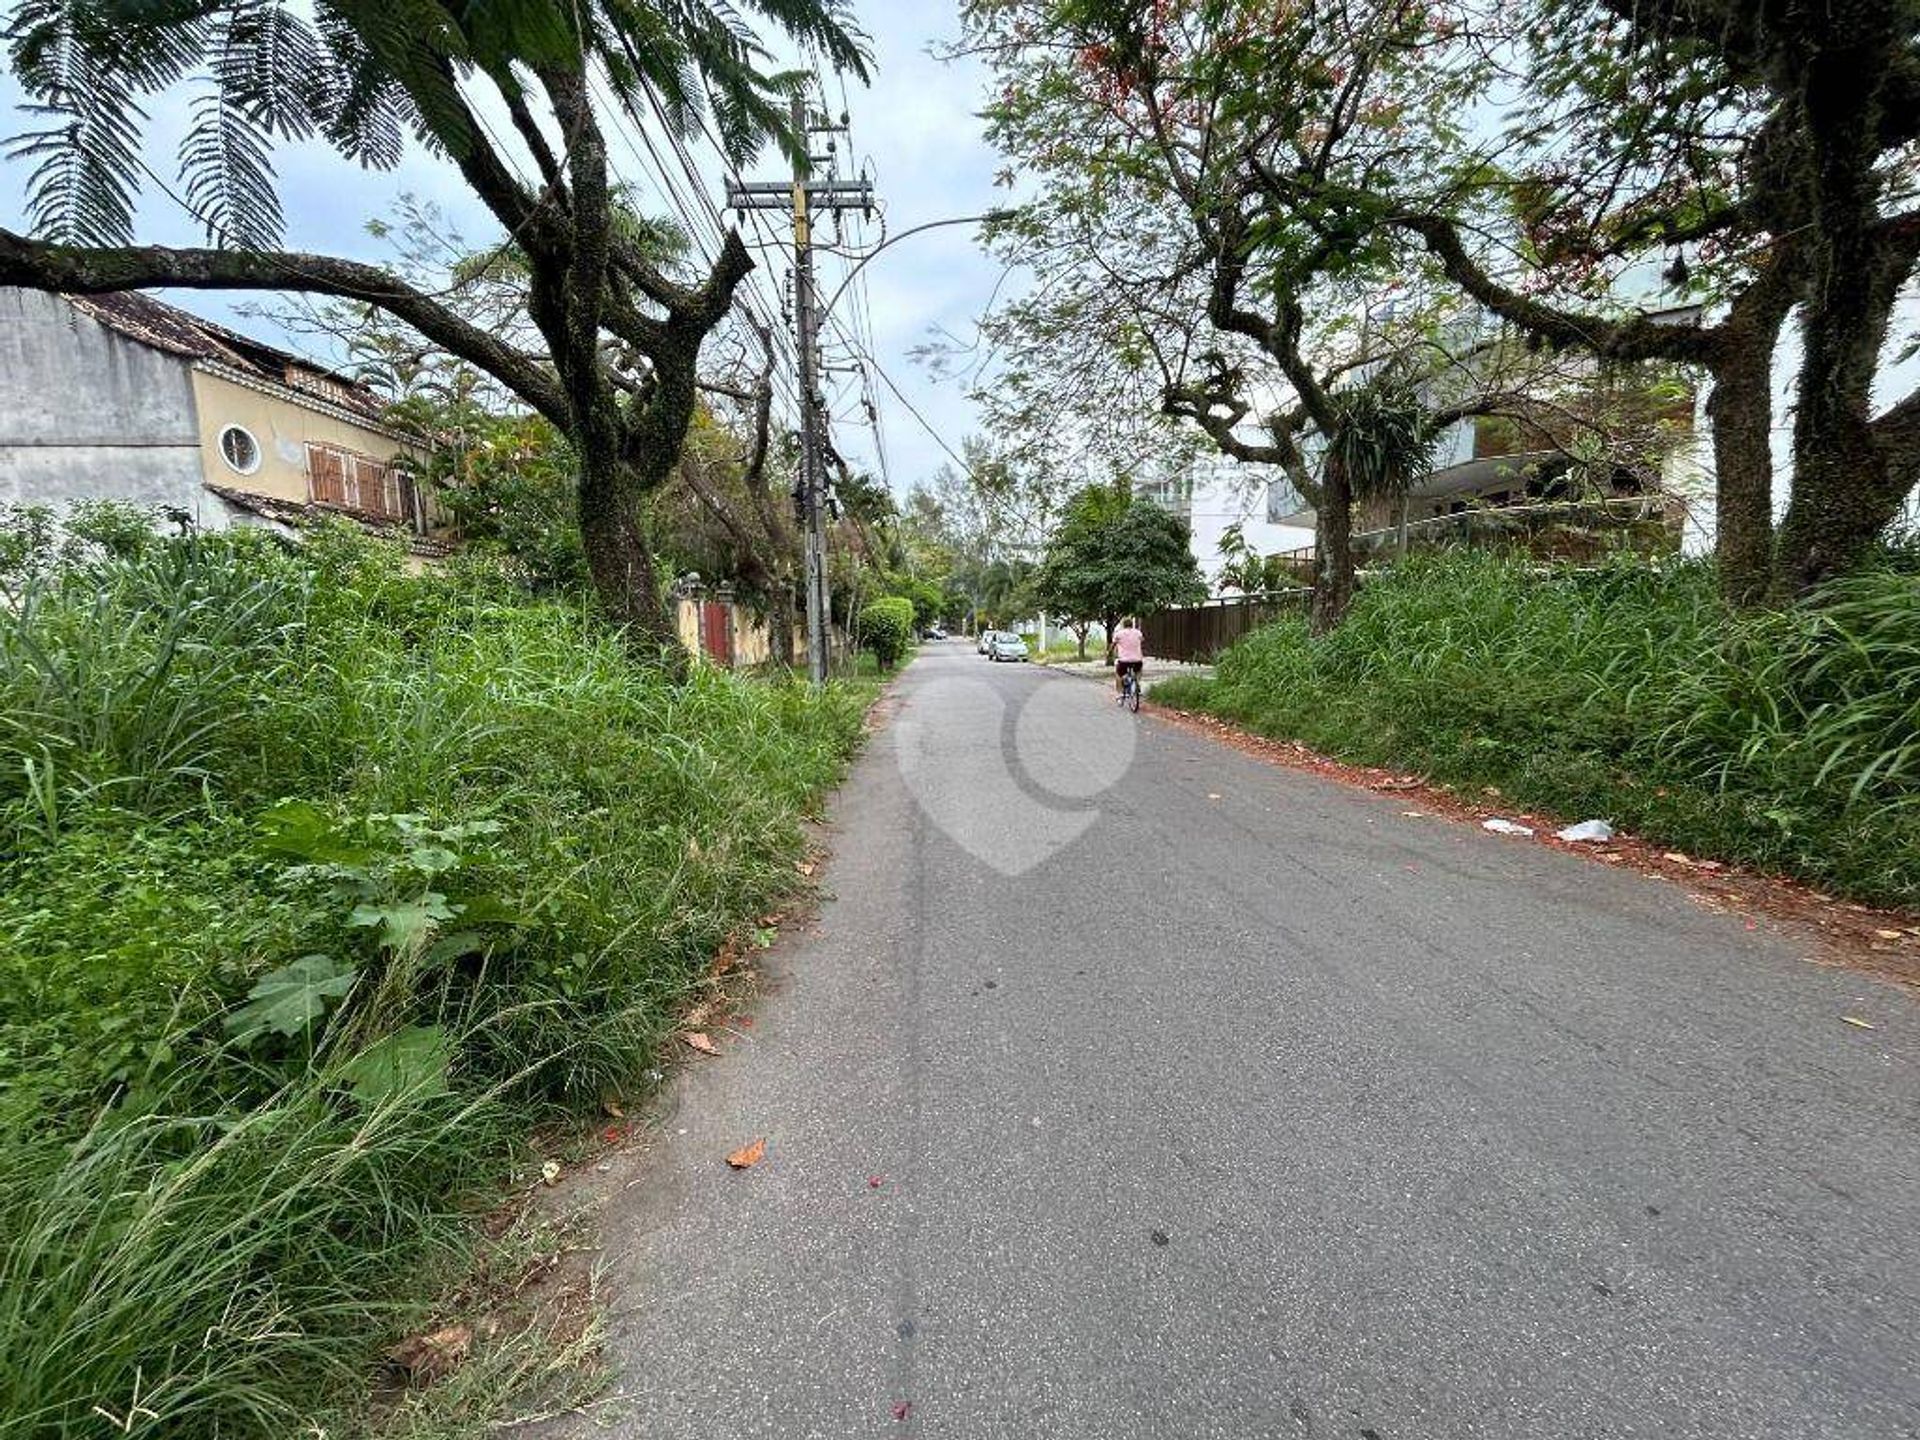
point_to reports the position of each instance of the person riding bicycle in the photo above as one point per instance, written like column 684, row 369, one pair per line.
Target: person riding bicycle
column 1129, row 654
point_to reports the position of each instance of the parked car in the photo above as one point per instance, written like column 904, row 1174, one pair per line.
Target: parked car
column 935, row 632
column 985, row 643
column 1007, row 647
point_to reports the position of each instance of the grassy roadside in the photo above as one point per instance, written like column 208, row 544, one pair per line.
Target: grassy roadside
column 321, row 885
column 1789, row 740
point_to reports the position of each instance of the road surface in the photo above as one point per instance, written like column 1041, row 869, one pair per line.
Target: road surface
column 1133, row 1087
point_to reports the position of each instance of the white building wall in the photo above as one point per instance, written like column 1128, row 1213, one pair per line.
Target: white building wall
column 1228, row 492
column 87, row 414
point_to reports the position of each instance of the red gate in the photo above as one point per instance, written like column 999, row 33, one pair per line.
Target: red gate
column 716, row 632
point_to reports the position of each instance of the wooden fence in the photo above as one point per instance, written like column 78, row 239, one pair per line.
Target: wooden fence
column 1200, row 632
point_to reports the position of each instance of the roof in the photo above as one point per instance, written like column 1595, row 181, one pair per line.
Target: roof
column 179, row 332
column 298, row 514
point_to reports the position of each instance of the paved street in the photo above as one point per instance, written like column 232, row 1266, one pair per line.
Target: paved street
column 1210, row 1099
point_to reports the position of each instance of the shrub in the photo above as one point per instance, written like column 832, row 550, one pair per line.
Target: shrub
column 1789, row 738
column 318, row 882
column 886, row 628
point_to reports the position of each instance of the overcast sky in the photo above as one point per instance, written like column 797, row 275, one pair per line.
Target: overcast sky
column 915, row 128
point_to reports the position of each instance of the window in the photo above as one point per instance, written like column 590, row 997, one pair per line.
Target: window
column 354, row 481
column 240, row 450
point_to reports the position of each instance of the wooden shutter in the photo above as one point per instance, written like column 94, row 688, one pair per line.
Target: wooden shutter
column 327, row 477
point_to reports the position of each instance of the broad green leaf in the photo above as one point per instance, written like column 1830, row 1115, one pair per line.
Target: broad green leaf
column 404, row 924
column 413, row 1061
column 290, row 999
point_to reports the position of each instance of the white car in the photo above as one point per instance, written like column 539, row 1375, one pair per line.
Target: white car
column 984, row 645
column 1007, row 647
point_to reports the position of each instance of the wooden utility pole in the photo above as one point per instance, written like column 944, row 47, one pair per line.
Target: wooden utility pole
column 806, row 196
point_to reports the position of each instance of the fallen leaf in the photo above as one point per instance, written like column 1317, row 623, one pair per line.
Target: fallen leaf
column 701, row 1041
column 1676, row 857
column 902, row 1409
column 1213, row 795
column 805, row 867
column 874, row 1182
column 426, row 1358
column 1889, row 934
column 1857, row 1022
column 748, row 1156
column 612, row 1107
column 550, row 1172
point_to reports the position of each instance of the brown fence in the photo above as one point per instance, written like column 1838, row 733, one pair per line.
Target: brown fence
column 1200, row 632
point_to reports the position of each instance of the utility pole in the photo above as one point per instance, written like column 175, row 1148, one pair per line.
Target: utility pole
column 806, row 196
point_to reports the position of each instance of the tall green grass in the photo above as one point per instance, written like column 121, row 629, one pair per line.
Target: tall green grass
column 515, row 851
column 1788, row 738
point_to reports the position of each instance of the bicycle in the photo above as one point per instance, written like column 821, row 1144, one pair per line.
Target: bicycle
column 1130, row 690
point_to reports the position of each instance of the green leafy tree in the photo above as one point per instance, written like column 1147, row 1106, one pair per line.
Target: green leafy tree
column 1113, row 556
column 1761, row 156
column 886, row 628
column 616, row 333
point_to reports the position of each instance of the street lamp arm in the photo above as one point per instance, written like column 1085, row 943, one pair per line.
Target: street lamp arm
column 892, row 240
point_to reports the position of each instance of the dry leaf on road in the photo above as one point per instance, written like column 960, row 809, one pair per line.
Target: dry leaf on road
column 748, row 1156
column 550, row 1172
column 1857, row 1022
column 701, row 1041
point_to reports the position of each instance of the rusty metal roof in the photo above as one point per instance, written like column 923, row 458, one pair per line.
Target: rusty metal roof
column 298, row 514
column 180, row 332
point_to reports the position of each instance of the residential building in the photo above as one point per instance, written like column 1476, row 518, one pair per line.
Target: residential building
column 125, row 397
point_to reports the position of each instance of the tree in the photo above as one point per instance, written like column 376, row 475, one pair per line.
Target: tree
column 886, row 628
column 1764, row 154
column 618, row 333
column 1260, row 318
column 1768, row 151
column 1111, row 556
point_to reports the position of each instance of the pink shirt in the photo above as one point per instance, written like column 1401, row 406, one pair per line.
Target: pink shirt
column 1129, row 644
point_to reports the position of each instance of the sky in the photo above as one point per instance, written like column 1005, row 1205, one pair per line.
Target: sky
column 915, row 129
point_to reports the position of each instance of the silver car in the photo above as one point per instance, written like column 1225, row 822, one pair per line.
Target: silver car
column 1007, row 647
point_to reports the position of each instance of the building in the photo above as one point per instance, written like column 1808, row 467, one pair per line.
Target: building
column 124, row 397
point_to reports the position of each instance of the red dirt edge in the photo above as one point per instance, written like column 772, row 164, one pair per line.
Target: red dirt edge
column 1885, row 943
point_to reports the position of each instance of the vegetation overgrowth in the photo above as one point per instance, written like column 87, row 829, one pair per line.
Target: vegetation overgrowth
column 1787, row 738
column 320, row 884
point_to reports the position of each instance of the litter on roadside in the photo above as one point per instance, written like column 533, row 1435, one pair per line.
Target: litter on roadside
column 1505, row 827
column 1586, row 830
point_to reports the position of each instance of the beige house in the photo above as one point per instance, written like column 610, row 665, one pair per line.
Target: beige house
column 126, row 397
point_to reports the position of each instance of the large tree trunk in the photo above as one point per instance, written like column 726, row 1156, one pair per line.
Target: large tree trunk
column 1333, row 550
column 781, row 614
column 1740, row 409
column 613, row 532
column 1840, row 476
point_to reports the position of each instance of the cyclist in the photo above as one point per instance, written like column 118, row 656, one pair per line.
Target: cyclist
column 1129, row 654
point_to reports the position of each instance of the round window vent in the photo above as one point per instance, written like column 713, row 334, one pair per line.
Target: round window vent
column 240, row 450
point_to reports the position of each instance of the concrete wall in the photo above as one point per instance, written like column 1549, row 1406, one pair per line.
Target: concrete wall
column 88, row 414
column 282, row 430
column 1228, row 492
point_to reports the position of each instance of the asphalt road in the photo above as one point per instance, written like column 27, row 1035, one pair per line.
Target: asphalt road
column 1211, row 1099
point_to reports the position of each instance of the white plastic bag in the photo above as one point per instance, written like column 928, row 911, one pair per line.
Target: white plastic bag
column 1505, row 827
column 1596, row 830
